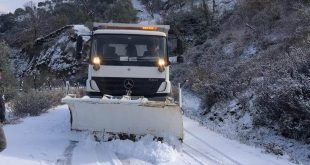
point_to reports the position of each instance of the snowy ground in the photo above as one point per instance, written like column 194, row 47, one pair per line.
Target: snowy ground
column 47, row 139
column 237, row 125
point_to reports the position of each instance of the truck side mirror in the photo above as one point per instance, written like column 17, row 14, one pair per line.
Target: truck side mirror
column 175, row 47
column 79, row 47
column 180, row 59
column 180, row 47
column 180, row 50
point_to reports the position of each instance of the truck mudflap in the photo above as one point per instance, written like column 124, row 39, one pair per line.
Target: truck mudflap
column 125, row 116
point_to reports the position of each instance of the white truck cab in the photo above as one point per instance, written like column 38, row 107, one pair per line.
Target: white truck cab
column 128, row 59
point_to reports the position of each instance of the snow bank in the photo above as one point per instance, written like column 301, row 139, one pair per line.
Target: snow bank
column 37, row 140
column 191, row 104
column 231, row 121
column 145, row 149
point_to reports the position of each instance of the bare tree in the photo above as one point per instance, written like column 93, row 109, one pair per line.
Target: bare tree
column 206, row 12
column 33, row 17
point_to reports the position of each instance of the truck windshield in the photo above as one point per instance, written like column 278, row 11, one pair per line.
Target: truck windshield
column 114, row 49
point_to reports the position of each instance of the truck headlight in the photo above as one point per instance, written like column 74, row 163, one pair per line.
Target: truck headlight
column 161, row 64
column 96, row 62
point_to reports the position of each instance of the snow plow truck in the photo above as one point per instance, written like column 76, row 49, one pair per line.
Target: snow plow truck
column 128, row 88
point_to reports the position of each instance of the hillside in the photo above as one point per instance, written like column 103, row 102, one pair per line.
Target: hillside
column 252, row 74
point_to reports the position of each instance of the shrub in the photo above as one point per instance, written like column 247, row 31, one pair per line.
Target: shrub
column 8, row 80
column 35, row 102
column 193, row 26
column 32, row 103
column 55, row 96
column 9, row 93
column 286, row 108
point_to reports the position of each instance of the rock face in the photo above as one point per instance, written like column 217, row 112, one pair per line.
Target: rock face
column 52, row 56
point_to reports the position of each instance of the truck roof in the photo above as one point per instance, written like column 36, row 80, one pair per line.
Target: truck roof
column 122, row 28
column 131, row 32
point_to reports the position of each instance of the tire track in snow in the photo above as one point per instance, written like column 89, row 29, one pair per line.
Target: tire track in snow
column 193, row 157
column 212, row 148
column 198, row 156
column 67, row 160
column 201, row 154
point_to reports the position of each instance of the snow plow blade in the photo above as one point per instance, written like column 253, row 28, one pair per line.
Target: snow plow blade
column 124, row 116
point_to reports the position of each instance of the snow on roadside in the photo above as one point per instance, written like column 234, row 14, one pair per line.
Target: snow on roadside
column 233, row 123
column 191, row 104
column 204, row 146
column 37, row 140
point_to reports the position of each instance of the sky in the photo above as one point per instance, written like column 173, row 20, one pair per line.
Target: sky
column 10, row 5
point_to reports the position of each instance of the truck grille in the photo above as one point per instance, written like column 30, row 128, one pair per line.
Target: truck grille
column 139, row 86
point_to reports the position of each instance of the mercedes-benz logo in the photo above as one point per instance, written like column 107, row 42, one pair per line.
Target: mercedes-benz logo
column 129, row 84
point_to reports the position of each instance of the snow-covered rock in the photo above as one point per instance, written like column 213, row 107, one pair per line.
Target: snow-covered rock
column 55, row 51
column 82, row 30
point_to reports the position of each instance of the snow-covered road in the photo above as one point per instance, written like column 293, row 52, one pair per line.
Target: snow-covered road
column 202, row 146
column 47, row 139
